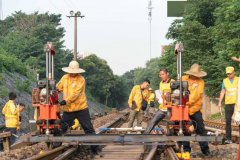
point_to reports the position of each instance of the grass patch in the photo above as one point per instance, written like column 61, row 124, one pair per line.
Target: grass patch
column 216, row 116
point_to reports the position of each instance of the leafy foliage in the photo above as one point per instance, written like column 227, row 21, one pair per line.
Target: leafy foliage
column 209, row 31
column 102, row 84
column 24, row 35
column 22, row 38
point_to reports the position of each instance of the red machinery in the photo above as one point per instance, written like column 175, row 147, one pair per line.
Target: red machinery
column 45, row 96
column 179, row 121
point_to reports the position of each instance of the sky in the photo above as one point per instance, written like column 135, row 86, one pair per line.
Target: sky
column 115, row 30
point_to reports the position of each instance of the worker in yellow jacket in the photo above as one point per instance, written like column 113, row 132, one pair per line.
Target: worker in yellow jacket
column 163, row 87
column 150, row 100
column 74, row 103
column 196, row 88
column 138, row 102
column 229, row 90
column 11, row 113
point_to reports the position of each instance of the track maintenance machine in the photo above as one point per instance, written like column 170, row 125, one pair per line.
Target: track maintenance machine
column 178, row 122
column 45, row 97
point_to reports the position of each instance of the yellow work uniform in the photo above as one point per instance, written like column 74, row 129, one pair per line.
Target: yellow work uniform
column 11, row 113
column 163, row 87
column 151, row 97
column 231, row 90
column 76, row 124
column 196, row 88
column 73, row 89
column 137, row 96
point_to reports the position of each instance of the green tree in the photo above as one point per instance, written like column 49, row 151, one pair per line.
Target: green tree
column 24, row 36
column 195, row 30
column 101, row 82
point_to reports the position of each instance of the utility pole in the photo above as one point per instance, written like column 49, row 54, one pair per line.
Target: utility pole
column 150, row 27
column 75, row 15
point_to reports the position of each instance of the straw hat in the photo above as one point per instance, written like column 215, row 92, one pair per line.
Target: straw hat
column 196, row 71
column 73, row 68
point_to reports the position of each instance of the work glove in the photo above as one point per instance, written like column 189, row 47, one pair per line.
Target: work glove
column 134, row 105
column 18, row 128
column 237, row 118
column 63, row 102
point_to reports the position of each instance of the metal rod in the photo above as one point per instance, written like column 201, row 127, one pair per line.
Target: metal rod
column 152, row 153
column 52, row 67
column 181, row 91
column 150, row 41
column 123, row 139
column 47, row 87
column 66, row 154
column 178, row 68
column 46, row 64
column 172, row 154
column 75, row 38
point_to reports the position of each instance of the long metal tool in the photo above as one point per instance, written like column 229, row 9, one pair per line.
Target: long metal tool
column 123, row 139
column 49, row 75
column 178, row 52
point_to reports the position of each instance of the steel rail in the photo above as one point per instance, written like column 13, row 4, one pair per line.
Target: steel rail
column 123, row 139
column 171, row 153
column 64, row 152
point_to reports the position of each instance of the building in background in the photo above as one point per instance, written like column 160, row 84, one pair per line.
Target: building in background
column 163, row 49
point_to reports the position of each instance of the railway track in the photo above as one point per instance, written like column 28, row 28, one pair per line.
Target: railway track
column 219, row 125
column 75, row 151
column 41, row 151
column 219, row 128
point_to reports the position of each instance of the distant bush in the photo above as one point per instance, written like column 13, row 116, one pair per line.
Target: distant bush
column 3, row 91
column 11, row 63
column 23, row 86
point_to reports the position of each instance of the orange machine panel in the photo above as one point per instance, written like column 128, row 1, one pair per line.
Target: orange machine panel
column 179, row 113
column 47, row 112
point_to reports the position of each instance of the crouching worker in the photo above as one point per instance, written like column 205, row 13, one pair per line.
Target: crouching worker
column 11, row 112
column 161, row 113
column 74, row 103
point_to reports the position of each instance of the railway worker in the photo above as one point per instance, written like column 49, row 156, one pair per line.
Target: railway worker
column 11, row 112
column 74, row 103
column 138, row 102
column 196, row 88
column 151, row 99
column 163, row 86
column 229, row 90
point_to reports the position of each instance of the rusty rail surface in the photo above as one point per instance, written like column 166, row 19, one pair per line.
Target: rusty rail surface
column 64, row 152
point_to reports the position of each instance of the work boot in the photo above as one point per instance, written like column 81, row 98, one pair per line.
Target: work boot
column 227, row 141
column 206, row 153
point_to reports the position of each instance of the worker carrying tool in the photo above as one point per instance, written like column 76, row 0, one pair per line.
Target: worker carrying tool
column 74, row 103
column 11, row 112
column 138, row 102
